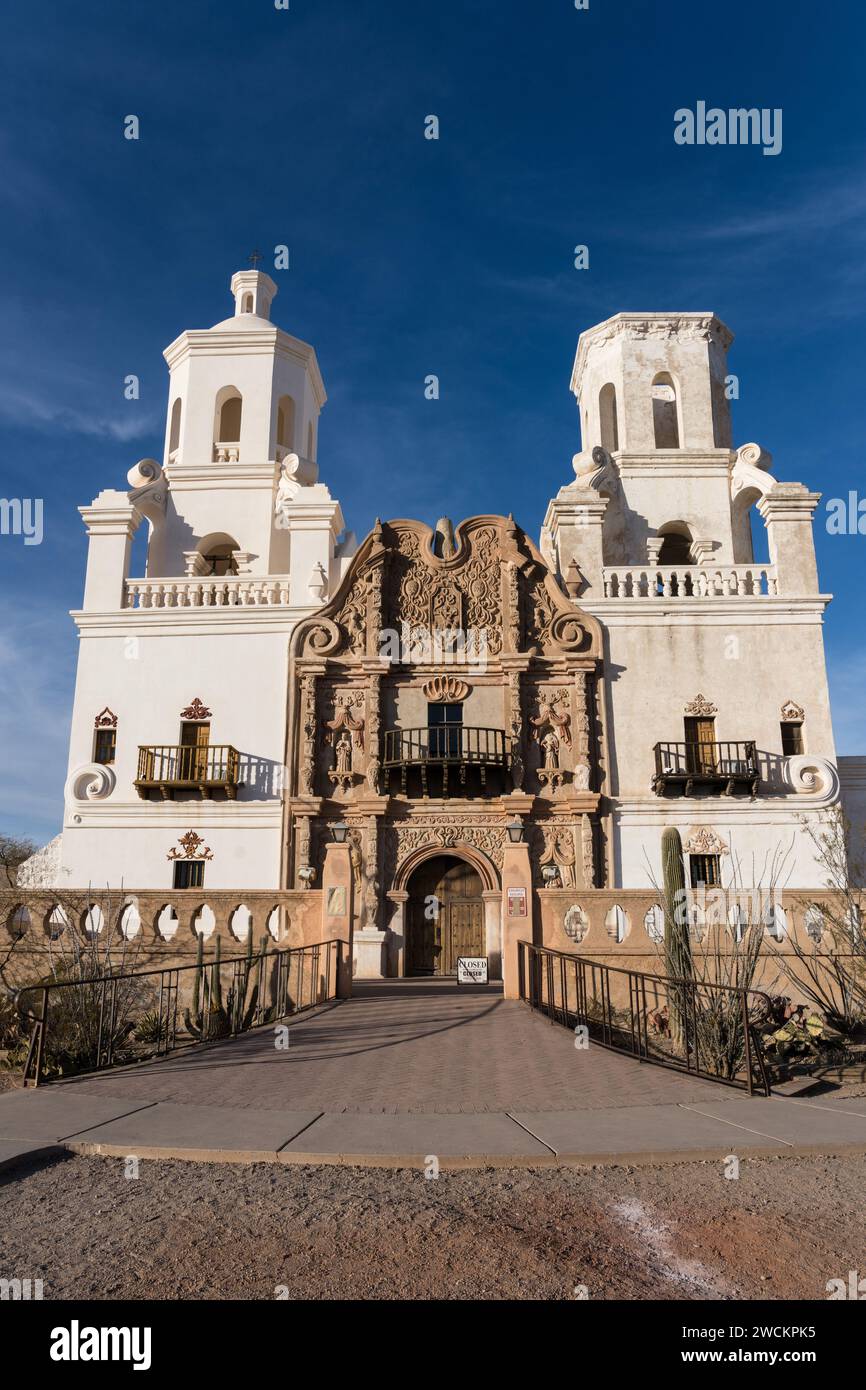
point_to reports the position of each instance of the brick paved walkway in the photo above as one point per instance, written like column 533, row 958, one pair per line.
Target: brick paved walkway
column 407, row 1046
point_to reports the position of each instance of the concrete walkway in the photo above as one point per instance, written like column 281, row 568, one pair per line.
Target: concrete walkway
column 408, row 1069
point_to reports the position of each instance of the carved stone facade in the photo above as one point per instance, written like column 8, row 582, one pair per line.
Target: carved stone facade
column 480, row 628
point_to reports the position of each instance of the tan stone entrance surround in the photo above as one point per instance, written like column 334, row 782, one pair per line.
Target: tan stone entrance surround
column 355, row 713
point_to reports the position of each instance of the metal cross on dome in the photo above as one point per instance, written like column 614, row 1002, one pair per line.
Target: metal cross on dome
column 254, row 257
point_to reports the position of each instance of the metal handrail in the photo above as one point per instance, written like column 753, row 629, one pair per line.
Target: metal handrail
column 274, row 1000
column 696, row 759
column 444, row 743
column 589, row 1003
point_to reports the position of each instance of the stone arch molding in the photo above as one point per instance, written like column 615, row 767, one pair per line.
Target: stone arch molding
column 484, row 867
column 90, row 782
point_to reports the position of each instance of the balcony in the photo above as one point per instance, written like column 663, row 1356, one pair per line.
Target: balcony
column 169, row 768
column 690, row 581
column 450, row 749
column 208, row 591
column 720, row 768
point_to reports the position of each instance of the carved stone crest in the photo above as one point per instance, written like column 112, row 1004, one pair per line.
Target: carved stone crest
column 704, row 840
column 446, row 690
column 192, row 846
column 196, row 710
column 792, row 713
column 701, row 708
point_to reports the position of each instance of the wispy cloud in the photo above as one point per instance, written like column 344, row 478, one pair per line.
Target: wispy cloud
column 818, row 208
column 28, row 410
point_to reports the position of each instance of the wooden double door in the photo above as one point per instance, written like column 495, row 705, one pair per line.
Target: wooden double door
column 445, row 918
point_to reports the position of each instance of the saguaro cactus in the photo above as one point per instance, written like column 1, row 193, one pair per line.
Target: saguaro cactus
column 678, row 951
column 208, row 1018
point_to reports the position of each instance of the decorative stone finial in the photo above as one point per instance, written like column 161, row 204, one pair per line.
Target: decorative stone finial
column 445, row 545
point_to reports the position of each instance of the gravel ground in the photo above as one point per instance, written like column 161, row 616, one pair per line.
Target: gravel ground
column 192, row 1231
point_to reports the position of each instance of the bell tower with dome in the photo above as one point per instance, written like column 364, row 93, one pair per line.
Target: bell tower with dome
column 243, row 416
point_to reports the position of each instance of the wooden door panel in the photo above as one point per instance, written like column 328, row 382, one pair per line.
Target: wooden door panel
column 424, row 950
column 465, row 931
column 445, row 917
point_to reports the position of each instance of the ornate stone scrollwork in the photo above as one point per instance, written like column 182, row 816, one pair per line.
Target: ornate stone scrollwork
column 106, row 719
column 582, row 761
column 148, row 489
column 192, row 846
column 295, row 473
column 792, row 713
column 323, row 638
column 485, row 834
column 592, row 469
column 515, row 723
column 587, row 843
column 308, row 749
column 700, row 708
column 447, row 690
column 90, row 782
column 704, row 840
column 559, row 854
column 196, row 710
column 810, row 776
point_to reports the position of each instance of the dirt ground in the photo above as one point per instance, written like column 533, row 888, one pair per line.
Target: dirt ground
column 192, row 1231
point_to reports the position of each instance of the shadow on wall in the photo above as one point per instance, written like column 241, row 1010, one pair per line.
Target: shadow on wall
column 262, row 778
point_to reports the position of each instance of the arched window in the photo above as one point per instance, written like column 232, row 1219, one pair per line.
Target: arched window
column 174, row 429
column 230, row 419
column 247, row 304
column 665, row 412
column 676, row 547
column 221, row 560
column 227, row 425
column 286, row 423
column 219, row 555
column 607, row 418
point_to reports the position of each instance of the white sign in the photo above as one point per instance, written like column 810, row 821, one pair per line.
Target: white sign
column 472, row 970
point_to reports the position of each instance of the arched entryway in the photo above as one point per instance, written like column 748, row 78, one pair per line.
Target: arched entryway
column 445, row 917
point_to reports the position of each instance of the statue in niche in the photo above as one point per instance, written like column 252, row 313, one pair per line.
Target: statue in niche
column 345, row 733
column 343, row 754
column 550, row 748
column 553, row 713
column 341, row 774
column 581, row 777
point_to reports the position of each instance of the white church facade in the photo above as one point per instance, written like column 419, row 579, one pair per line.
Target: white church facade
column 270, row 687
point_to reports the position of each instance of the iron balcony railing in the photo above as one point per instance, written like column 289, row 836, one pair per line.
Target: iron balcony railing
column 441, row 743
column 166, row 767
column 724, row 765
column 129, row 1016
column 447, row 747
column 709, row 1030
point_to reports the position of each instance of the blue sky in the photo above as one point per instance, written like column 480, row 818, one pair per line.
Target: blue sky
column 410, row 257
